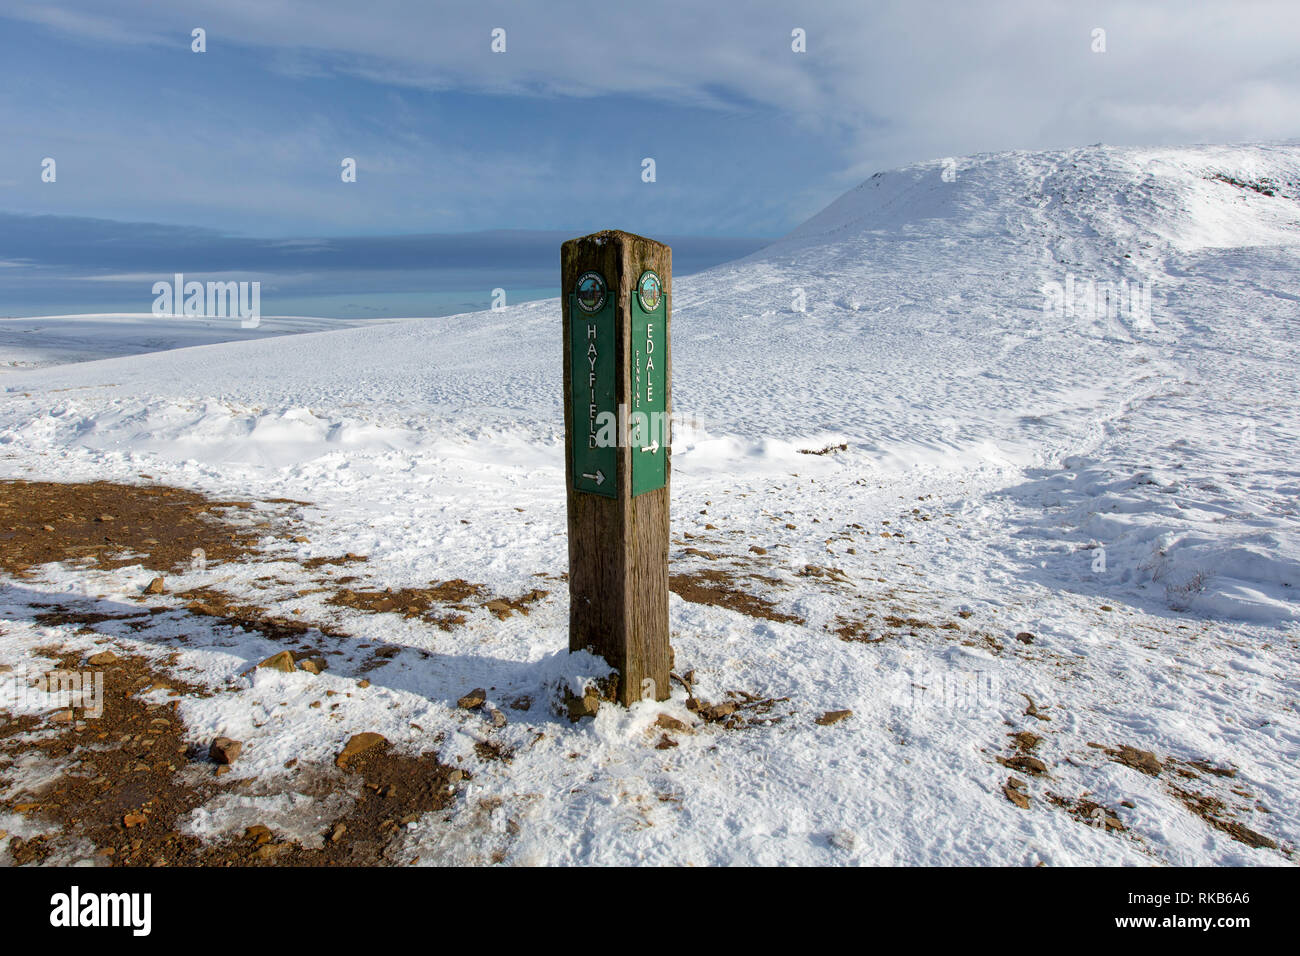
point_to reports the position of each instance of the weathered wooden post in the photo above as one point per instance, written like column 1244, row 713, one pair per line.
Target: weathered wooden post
column 617, row 402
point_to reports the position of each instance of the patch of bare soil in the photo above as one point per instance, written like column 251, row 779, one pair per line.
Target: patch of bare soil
column 1089, row 811
column 117, row 525
column 737, row 710
column 311, row 564
column 131, row 778
column 442, row 604
column 857, row 631
column 1215, row 812
column 209, row 602
column 1023, row 759
column 1211, row 809
column 816, row 571
column 397, row 789
column 123, row 790
column 870, row 629
column 716, row 587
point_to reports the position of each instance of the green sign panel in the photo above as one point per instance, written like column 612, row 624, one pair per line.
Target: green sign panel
column 591, row 355
column 599, row 426
column 647, row 421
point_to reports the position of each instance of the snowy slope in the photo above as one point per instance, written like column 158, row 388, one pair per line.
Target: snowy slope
column 1062, row 463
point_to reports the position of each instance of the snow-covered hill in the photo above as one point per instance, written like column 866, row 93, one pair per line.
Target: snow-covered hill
column 1120, row 482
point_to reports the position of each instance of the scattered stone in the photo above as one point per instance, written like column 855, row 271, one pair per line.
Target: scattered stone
column 363, row 684
column 5, row 668
column 1024, row 637
column 156, row 586
column 224, row 750
column 1026, row 741
column 282, row 662
column 498, row 719
column 311, row 666
column 670, row 723
column 63, row 717
column 757, row 550
column 1025, row 764
column 336, row 834
column 1032, row 710
column 842, row 839
column 498, row 608
column 1143, row 760
column 259, row 834
column 719, row 711
column 358, row 744
column 132, row 820
column 1217, row 771
column 270, row 851
column 222, row 770
column 1014, row 790
column 102, row 659
column 585, row 706
column 473, row 700
column 665, row 743
column 833, row 717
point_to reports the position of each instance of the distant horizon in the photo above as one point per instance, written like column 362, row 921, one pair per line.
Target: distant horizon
column 65, row 265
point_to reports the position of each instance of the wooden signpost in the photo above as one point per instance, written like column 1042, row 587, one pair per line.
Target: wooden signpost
column 617, row 402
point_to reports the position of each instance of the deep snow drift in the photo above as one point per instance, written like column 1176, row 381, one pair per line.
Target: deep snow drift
column 1120, row 481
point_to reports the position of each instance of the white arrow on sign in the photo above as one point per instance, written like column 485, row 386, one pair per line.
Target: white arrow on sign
column 652, row 448
column 598, row 477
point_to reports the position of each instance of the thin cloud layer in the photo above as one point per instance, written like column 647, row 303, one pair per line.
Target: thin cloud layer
column 880, row 84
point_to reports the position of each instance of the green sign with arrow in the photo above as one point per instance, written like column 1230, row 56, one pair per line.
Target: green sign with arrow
column 595, row 418
column 647, row 422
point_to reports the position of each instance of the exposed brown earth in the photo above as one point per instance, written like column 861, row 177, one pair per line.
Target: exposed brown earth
column 115, row 525
column 718, row 588
column 442, row 604
column 133, row 774
column 1211, row 809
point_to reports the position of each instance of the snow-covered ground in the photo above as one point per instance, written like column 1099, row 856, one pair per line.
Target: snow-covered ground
column 1121, row 486
column 60, row 339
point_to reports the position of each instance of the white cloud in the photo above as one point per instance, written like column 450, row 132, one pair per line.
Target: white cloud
column 886, row 82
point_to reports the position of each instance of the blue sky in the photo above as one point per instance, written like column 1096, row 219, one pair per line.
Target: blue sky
column 749, row 137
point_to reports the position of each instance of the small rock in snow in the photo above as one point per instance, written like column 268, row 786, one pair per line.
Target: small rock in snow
column 474, row 699
column 585, row 706
column 224, row 750
column 280, row 662
column 1015, row 792
column 358, row 744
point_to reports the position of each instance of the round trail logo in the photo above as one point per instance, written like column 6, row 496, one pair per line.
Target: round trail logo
column 590, row 292
column 649, row 290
